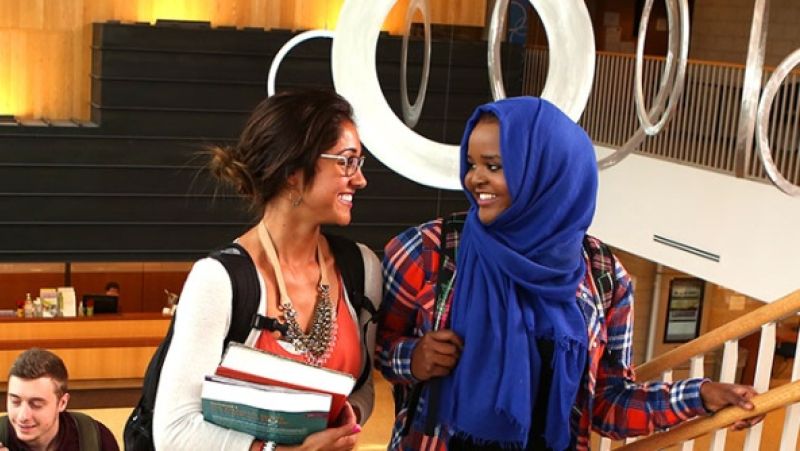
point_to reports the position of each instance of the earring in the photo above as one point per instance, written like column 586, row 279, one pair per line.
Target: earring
column 293, row 201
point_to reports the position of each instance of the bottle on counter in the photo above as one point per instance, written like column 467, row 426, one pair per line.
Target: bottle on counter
column 80, row 308
column 28, row 310
column 38, row 309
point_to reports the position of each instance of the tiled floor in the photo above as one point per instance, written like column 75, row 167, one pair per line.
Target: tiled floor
column 376, row 432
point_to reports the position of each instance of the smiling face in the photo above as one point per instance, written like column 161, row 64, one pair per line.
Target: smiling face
column 330, row 197
column 484, row 178
column 33, row 407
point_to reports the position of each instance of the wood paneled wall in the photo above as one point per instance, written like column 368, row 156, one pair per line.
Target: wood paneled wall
column 142, row 285
column 45, row 44
column 134, row 189
column 98, row 351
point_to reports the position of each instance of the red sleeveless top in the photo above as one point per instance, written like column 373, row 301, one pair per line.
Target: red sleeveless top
column 346, row 354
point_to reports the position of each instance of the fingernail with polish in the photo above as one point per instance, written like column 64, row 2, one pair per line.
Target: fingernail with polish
column 356, row 429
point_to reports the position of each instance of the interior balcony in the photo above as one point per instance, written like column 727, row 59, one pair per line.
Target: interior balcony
column 677, row 200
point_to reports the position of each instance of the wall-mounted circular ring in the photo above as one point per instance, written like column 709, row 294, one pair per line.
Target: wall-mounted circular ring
column 671, row 72
column 411, row 113
column 286, row 48
column 428, row 162
column 672, row 80
column 762, row 123
column 570, row 72
column 618, row 155
column 355, row 77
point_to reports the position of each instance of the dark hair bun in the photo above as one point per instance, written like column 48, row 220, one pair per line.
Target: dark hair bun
column 227, row 169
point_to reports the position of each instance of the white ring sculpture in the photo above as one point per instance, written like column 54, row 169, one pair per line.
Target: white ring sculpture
column 411, row 113
column 676, row 80
column 570, row 72
column 678, row 44
column 286, row 48
column 409, row 154
column 762, row 123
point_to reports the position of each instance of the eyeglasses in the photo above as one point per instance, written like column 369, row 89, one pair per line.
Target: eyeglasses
column 350, row 164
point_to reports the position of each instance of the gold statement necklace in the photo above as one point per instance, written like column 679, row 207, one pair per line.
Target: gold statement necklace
column 315, row 346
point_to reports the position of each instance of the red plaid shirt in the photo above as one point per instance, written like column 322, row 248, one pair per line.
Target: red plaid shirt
column 609, row 401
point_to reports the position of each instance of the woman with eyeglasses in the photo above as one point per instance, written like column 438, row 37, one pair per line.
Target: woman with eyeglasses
column 298, row 161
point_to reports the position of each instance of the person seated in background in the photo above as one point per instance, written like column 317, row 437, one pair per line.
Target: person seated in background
column 37, row 418
column 112, row 289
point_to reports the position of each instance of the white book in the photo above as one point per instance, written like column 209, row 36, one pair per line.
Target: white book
column 267, row 397
column 244, row 359
column 68, row 297
column 254, row 365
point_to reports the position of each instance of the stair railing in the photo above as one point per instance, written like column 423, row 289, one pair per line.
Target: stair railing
column 764, row 318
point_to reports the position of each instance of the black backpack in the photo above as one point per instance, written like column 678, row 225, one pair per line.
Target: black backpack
column 138, row 434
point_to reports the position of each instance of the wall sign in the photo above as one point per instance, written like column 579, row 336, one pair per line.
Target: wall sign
column 684, row 310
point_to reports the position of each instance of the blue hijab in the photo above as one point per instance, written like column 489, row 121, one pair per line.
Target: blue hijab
column 517, row 280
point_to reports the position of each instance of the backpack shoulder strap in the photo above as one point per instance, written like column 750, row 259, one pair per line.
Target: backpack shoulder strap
column 350, row 262
column 88, row 431
column 246, row 290
column 4, row 425
column 452, row 226
column 351, row 266
column 603, row 268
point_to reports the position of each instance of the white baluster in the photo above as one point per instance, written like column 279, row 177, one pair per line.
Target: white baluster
column 730, row 358
column 695, row 370
column 766, row 352
column 791, row 424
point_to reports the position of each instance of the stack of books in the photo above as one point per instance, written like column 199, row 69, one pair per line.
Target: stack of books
column 273, row 398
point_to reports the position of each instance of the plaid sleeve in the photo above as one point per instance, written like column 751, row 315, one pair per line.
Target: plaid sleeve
column 623, row 408
column 403, row 278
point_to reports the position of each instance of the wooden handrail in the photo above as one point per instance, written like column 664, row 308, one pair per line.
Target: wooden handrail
column 740, row 327
column 763, row 403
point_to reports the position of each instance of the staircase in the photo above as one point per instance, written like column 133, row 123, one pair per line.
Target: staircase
column 786, row 396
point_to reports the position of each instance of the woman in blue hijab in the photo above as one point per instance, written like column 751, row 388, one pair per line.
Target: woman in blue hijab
column 530, row 346
column 523, row 349
column 531, row 178
column 530, row 175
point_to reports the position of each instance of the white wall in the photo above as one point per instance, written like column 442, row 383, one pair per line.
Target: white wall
column 721, row 30
column 752, row 226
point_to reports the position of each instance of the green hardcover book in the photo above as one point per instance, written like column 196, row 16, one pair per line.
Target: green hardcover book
column 266, row 412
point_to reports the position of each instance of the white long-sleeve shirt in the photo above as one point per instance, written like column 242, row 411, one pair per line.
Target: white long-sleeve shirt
column 196, row 349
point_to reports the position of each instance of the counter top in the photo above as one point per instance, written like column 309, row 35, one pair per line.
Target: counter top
column 101, row 348
column 100, row 317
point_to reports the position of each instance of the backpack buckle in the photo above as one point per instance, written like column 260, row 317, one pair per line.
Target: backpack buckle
column 262, row 322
